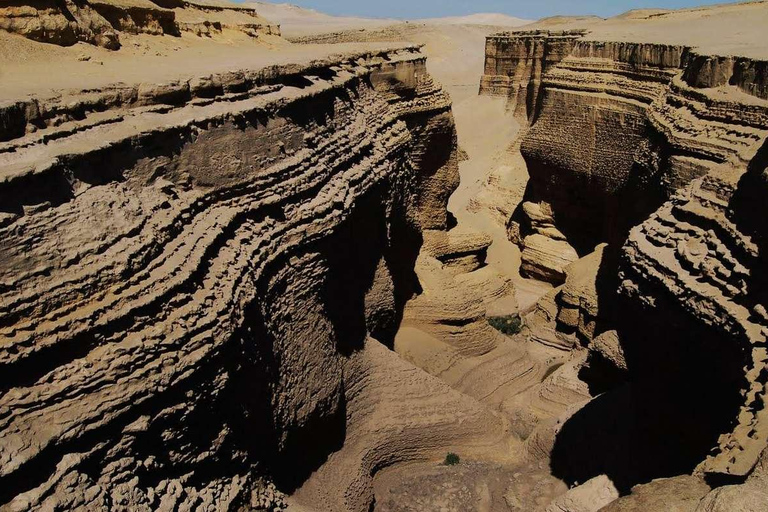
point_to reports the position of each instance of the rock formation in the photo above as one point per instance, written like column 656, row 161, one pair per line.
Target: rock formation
column 219, row 254
column 249, row 277
column 657, row 150
column 588, row 497
column 100, row 22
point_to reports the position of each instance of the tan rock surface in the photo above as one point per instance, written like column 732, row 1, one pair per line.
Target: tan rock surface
column 197, row 260
column 679, row 494
column 102, row 22
column 592, row 101
column 590, row 496
column 384, row 392
column 546, row 258
column 211, row 237
column 736, row 498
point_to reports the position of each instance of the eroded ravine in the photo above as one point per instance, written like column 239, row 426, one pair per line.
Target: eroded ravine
column 234, row 194
column 617, row 130
column 287, row 286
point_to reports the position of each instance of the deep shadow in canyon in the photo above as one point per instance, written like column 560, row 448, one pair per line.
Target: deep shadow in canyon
column 593, row 205
column 682, row 391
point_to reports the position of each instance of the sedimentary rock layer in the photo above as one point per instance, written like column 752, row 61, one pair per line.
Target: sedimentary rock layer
column 616, row 128
column 100, row 22
column 515, row 64
column 188, row 266
column 656, row 148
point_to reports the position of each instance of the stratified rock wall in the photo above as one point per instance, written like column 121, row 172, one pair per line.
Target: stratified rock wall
column 702, row 252
column 63, row 23
column 705, row 71
column 656, row 148
column 617, row 128
column 100, row 22
column 515, row 65
column 187, row 268
column 591, row 148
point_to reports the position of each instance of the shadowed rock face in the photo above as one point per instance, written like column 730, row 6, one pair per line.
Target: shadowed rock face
column 179, row 301
column 654, row 149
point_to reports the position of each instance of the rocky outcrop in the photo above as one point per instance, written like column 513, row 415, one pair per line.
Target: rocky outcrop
column 100, row 22
column 572, row 314
column 735, row 498
column 590, row 496
column 545, row 251
column 608, row 346
column 707, row 71
column 189, row 269
column 671, row 130
column 690, row 254
column 210, row 18
column 646, row 144
column 546, row 258
column 574, row 156
column 516, row 62
column 137, row 16
column 458, row 289
column 679, row 494
column 62, row 23
column 751, row 496
column 709, row 252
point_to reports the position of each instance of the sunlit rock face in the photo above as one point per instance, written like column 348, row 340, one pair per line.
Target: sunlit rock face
column 101, row 22
column 188, row 267
column 656, row 150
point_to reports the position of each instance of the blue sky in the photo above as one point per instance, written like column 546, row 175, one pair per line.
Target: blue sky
column 532, row 9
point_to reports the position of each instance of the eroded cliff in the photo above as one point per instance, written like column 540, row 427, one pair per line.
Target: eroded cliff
column 656, row 150
column 190, row 268
column 231, row 281
column 101, row 22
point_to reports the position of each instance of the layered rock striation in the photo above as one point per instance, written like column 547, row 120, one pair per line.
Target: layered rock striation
column 657, row 150
column 617, row 128
column 189, row 267
column 101, row 22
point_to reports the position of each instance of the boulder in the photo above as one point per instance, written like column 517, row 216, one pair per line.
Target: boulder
column 588, row 497
column 546, row 259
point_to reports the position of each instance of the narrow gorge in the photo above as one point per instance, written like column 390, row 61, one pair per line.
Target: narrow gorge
column 654, row 150
column 251, row 267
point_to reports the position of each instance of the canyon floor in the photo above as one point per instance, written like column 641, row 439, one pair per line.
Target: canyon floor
column 255, row 257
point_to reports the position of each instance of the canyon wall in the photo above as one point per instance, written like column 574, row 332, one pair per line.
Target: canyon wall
column 657, row 151
column 514, row 65
column 190, row 269
column 101, row 22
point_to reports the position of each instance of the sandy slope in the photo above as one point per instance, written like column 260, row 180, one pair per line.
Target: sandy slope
column 491, row 19
column 736, row 29
column 298, row 21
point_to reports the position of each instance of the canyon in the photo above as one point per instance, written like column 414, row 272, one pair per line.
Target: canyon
column 260, row 258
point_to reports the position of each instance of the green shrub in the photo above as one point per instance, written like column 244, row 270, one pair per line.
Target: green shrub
column 509, row 325
column 451, row 459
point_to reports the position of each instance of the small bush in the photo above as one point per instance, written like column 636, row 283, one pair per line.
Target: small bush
column 451, row 459
column 509, row 325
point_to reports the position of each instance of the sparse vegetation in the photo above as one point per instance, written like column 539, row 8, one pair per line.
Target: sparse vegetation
column 452, row 459
column 509, row 325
